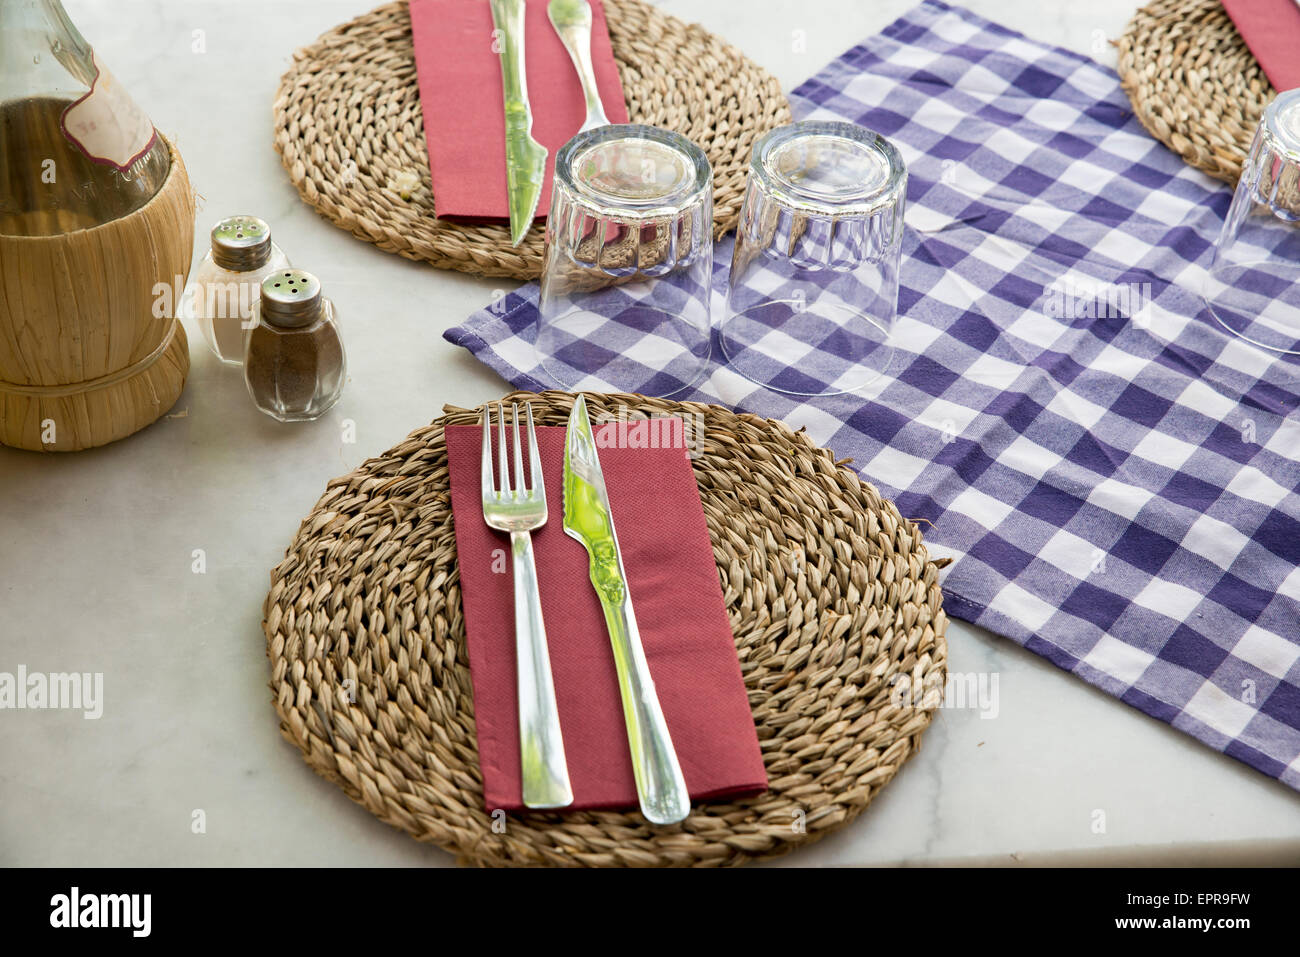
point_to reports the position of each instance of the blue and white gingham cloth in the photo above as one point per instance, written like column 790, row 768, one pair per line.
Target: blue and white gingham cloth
column 1119, row 492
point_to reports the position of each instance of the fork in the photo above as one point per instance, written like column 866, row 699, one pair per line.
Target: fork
column 572, row 21
column 541, row 746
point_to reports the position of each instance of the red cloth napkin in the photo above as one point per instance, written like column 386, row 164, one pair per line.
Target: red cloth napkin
column 1271, row 28
column 673, row 580
column 464, row 109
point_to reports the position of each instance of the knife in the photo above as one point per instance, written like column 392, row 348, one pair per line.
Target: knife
column 660, row 787
column 525, row 157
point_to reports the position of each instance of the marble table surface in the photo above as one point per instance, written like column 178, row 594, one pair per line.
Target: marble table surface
column 97, row 566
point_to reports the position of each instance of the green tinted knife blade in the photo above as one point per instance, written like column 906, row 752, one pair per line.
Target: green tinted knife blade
column 525, row 157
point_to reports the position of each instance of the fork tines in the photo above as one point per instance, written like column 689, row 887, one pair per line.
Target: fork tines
column 534, row 486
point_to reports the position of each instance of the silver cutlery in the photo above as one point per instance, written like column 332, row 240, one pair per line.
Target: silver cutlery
column 572, row 21
column 660, row 787
column 525, row 157
column 519, row 511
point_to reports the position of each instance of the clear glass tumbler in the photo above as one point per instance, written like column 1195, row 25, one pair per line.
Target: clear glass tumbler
column 624, row 300
column 1253, row 287
column 813, row 289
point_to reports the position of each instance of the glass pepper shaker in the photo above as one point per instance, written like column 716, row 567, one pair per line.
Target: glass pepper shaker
column 294, row 362
column 228, row 283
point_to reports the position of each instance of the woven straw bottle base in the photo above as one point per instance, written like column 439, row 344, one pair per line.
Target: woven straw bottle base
column 94, row 364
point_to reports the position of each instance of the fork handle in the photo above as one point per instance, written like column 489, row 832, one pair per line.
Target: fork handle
column 541, row 745
column 572, row 21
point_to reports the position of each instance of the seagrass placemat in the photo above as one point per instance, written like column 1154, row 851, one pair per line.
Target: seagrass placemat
column 834, row 602
column 349, row 129
column 1194, row 83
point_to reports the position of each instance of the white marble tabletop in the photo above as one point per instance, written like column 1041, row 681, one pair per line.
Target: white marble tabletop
column 97, row 548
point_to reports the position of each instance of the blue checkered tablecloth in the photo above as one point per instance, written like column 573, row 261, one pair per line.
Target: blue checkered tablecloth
column 1115, row 476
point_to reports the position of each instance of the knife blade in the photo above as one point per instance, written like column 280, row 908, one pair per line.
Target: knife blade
column 661, row 789
column 525, row 157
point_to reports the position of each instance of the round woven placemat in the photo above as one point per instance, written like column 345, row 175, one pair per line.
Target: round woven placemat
column 349, row 129
column 1194, row 83
column 835, row 606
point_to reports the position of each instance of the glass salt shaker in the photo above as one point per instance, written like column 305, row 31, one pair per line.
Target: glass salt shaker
column 228, row 283
column 294, row 362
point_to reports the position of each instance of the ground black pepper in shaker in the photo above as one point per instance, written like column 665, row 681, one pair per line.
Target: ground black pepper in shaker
column 294, row 361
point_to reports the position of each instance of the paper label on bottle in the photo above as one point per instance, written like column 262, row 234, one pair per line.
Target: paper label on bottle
column 106, row 123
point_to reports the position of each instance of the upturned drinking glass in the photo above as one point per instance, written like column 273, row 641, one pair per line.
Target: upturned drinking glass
column 813, row 289
column 624, row 301
column 1253, row 287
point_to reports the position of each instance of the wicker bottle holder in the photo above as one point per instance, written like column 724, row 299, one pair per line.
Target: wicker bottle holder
column 84, row 359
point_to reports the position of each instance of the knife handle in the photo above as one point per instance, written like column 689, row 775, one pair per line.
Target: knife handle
column 660, row 786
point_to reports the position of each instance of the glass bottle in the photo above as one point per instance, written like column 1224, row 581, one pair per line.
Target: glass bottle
column 294, row 362
column 75, row 149
column 228, row 283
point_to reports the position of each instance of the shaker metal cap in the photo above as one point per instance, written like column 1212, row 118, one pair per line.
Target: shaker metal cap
column 241, row 243
column 291, row 298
